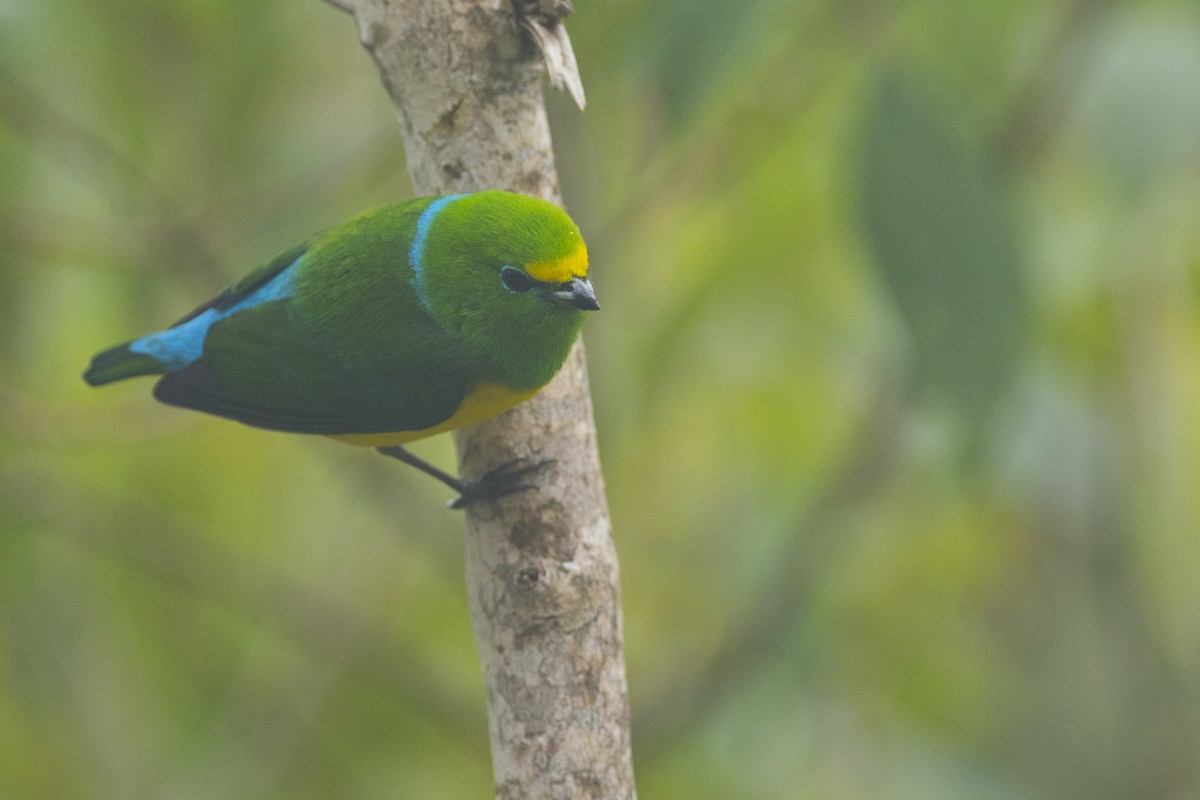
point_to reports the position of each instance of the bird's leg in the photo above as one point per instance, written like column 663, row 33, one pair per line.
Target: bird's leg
column 400, row 454
column 496, row 482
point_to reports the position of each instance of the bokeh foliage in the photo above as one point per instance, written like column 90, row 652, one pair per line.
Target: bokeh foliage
column 897, row 382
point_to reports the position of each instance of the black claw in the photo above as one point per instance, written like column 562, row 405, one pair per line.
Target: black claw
column 498, row 481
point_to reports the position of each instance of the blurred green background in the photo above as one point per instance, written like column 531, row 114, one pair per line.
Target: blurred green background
column 897, row 382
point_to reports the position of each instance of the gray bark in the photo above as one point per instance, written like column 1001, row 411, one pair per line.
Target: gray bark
column 541, row 567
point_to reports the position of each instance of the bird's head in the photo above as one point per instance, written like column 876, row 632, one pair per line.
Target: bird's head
column 506, row 273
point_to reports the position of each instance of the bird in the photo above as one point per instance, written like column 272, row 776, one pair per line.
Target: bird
column 407, row 320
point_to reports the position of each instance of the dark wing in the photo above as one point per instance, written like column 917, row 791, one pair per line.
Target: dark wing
column 264, row 367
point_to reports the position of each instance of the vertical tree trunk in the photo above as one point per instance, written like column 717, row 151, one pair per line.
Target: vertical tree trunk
column 541, row 567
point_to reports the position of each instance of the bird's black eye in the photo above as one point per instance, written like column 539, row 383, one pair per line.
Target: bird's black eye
column 514, row 280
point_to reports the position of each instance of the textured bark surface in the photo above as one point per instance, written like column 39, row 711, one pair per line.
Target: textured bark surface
column 541, row 567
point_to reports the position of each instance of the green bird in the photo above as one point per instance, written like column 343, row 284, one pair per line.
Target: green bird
column 408, row 320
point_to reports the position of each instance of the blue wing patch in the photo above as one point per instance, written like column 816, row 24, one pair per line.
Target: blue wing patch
column 183, row 344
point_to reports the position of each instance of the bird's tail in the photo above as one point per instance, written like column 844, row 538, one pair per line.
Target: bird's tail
column 120, row 362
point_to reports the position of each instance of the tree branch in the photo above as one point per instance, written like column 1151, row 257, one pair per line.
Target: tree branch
column 541, row 567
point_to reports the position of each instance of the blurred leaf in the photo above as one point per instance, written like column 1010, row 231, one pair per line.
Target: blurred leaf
column 939, row 221
column 1139, row 107
column 689, row 53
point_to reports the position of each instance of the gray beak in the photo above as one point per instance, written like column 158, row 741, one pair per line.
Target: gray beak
column 575, row 293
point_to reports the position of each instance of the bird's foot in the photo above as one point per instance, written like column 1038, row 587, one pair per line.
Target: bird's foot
column 498, row 481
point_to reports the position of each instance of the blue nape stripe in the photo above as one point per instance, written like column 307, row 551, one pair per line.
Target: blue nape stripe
column 178, row 347
column 416, row 253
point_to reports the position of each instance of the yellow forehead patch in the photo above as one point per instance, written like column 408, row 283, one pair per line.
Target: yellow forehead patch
column 561, row 270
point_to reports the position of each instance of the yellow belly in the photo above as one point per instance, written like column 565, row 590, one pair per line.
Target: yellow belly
column 485, row 402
